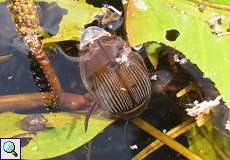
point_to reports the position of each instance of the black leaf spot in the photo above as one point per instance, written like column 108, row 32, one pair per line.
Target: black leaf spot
column 172, row 34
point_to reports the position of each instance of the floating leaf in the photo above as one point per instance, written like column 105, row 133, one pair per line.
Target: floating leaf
column 149, row 20
column 67, row 133
column 78, row 14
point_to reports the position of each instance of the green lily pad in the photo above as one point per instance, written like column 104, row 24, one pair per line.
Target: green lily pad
column 201, row 146
column 78, row 14
column 67, row 133
column 209, row 142
column 149, row 20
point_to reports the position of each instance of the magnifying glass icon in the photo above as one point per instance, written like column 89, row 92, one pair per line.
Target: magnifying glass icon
column 9, row 147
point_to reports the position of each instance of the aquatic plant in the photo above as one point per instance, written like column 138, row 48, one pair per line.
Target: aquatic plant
column 25, row 16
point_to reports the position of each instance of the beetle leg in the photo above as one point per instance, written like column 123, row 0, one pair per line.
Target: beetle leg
column 88, row 114
column 92, row 107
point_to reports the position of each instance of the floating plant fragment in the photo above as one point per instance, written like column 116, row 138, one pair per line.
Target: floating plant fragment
column 215, row 22
column 202, row 108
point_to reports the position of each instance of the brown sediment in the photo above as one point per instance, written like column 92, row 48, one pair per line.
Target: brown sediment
column 25, row 16
column 33, row 100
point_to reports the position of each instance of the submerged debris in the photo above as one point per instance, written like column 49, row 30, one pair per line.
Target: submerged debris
column 132, row 147
column 215, row 22
column 154, row 77
column 203, row 107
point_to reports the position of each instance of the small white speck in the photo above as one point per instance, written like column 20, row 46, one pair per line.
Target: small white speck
column 132, row 147
column 205, row 76
column 164, row 131
column 140, row 4
column 154, row 77
column 110, row 26
column 10, row 77
column 177, row 59
column 110, row 138
column 122, row 59
column 227, row 125
column 34, row 148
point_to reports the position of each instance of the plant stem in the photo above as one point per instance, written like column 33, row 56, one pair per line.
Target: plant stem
column 212, row 5
column 165, row 139
column 33, row 100
column 5, row 57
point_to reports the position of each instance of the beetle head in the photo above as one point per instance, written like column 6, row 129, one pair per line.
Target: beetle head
column 90, row 34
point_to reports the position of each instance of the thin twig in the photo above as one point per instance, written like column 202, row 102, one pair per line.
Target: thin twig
column 212, row 5
column 165, row 139
column 173, row 133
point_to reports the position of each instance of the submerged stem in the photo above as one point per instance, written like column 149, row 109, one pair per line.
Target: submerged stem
column 173, row 133
column 165, row 139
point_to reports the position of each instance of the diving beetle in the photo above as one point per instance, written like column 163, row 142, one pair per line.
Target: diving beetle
column 113, row 73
